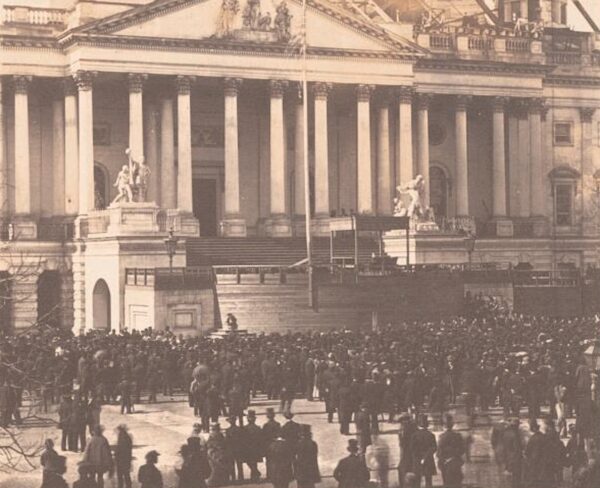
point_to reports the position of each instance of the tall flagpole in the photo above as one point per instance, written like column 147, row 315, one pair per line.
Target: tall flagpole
column 311, row 297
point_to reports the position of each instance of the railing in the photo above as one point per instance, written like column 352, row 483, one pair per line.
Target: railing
column 564, row 58
column 192, row 278
column 518, row 45
column 559, row 277
column 480, row 43
column 30, row 15
column 52, row 231
column 443, row 42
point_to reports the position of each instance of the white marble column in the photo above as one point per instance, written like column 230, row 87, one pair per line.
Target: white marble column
column 3, row 162
column 71, row 148
column 184, row 145
column 535, row 152
column 363, row 149
column 135, row 83
column 462, row 159
column 234, row 224
column 405, row 169
column 321, row 92
column 22, row 163
column 384, row 170
column 423, row 101
column 86, row 142
column 58, row 152
column 523, row 169
column 151, row 129
column 168, row 191
column 299, row 201
column 499, row 159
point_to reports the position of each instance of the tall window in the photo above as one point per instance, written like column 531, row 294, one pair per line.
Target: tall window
column 563, row 204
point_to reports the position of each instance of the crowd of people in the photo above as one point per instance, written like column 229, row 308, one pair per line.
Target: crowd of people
column 487, row 356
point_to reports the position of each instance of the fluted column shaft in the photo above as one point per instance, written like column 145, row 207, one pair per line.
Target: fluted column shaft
column 184, row 145
column 321, row 91
column 535, row 151
column 299, row 201
column 423, row 101
column 384, row 172
column 86, row 142
column 168, row 191
column 499, row 159
column 151, row 151
column 462, row 172
column 364, row 167
column 277, row 168
column 232, row 163
column 136, row 115
column 405, row 171
column 71, row 148
column 22, row 162
column 58, row 153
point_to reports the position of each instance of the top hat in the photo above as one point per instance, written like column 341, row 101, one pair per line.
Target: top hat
column 352, row 445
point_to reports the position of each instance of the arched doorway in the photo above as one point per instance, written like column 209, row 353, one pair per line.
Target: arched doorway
column 438, row 191
column 48, row 298
column 101, row 306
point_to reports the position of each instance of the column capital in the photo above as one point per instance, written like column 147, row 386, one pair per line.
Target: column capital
column 424, row 100
column 232, row 86
column 21, row 84
column 499, row 104
column 384, row 96
column 321, row 90
column 277, row 88
column 84, row 79
column 405, row 94
column 586, row 114
column 135, row 82
column 364, row 92
column 536, row 105
column 461, row 102
column 184, row 84
column 69, row 87
column 519, row 108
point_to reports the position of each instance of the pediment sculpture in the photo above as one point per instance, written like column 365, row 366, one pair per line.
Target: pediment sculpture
column 256, row 24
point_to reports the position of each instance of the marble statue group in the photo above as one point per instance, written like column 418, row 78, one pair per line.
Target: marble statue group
column 416, row 209
column 132, row 180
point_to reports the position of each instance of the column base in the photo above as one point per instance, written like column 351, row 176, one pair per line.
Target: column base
column 22, row 228
column 278, row 226
column 233, row 226
column 502, row 227
column 188, row 225
column 319, row 225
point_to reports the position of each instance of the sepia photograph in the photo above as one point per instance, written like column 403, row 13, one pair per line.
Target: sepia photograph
column 300, row 243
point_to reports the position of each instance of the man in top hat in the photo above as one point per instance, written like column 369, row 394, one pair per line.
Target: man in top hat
column 280, row 458
column 216, row 448
column 512, row 448
column 351, row 471
column 306, row 464
column 123, row 456
column 235, row 448
column 254, row 445
column 423, row 447
column 148, row 475
column 451, row 448
column 290, row 431
column 405, row 434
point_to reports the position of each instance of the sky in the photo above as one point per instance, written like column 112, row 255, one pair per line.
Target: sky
column 577, row 20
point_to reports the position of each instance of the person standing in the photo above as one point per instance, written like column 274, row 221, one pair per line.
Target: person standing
column 217, row 457
column 345, row 407
column 535, row 458
column 235, row 447
column 451, row 448
column 124, row 389
column 290, row 431
column 98, row 456
column 149, row 475
column 123, row 457
column 512, row 448
column 352, row 471
column 194, row 470
column 423, row 445
column 77, row 424
column 280, row 459
column 65, row 410
column 306, row 463
column 363, row 428
column 271, row 427
column 254, row 445
column 53, row 466
column 405, row 434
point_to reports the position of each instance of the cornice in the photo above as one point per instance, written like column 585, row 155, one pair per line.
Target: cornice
column 214, row 45
column 468, row 66
column 559, row 80
column 18, row 41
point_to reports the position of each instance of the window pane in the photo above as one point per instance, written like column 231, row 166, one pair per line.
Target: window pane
column 562, row 133
column 563, row 204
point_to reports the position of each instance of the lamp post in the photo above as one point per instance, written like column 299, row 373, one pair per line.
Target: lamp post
column 469, row 241
column 171, row 247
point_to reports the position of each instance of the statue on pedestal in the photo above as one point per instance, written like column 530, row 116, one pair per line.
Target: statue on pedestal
column 123, row 184
column 132, row 180
column 229, row 9
column 415, row 210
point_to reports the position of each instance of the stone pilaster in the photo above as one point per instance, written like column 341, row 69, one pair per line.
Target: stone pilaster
column 363, row 149
column 86, row 141
column 384, row 169
column 58, row 153
column 538, row 180
column 405, row 169
column 168, row 177
column 462, row 159
column 151, row 128
column 71, row 147
column 234, row 224
column 423, row 101
column 503, row 226
column 23, row 166
column 135, row 84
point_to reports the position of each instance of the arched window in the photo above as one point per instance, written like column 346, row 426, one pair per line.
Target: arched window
column 438, row 191
column 101, row 186
column 101, row 306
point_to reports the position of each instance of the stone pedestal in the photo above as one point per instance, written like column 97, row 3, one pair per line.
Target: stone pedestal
column 132, row 218
column 234, row 226
column 22, row 228
column 278, row 226
column 503, row 227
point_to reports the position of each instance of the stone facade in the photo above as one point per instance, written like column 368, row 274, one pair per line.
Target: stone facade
column 503, row 125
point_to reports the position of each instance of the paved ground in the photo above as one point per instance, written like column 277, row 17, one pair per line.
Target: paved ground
column 166, row 425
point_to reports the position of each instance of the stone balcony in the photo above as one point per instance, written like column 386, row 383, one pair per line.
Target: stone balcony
column 33, row 16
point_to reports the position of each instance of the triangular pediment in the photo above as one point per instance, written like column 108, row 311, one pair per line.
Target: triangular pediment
column 328, row 26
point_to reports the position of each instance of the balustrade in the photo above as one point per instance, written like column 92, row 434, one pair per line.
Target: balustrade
column 30, row 15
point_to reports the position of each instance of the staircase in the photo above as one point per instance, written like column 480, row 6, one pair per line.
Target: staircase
column 260, row 251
